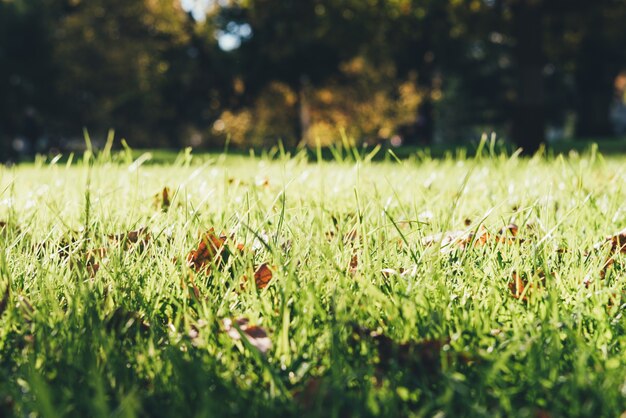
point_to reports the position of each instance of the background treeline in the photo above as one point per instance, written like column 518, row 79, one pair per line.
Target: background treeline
column 164, row 73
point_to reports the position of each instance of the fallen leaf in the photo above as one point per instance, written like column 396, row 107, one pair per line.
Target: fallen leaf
column 403, row 272
column 262, row 276
column 423, row 356
column 521, row 288
column 461, row 239
column 605, row 267
column 618, row 241
column 6, row 227
column 165, row 194
column 92, row 260
column 350, row 236
column 211, row 250
column 139, row 236
column 517, row 286
column 194, row 329
column 123, row 321
column 388, row 272
column 162, row 200
column 348, row 220
column 236, row 182
column 309, row 393
column 354, row 262
column 254, row 334
column 262, row 182
column 542, row 413
column 446, row 239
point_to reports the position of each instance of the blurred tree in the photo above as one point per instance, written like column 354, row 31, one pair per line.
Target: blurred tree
column 592, row 51
column 26, row 70
column 259, row 70
column 296, row 42
column 112, row 56
column 528, row 121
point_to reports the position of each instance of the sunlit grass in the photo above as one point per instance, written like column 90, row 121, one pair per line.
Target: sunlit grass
column 352, row 276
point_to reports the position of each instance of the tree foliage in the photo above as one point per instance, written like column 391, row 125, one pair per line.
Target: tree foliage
column 255, row 71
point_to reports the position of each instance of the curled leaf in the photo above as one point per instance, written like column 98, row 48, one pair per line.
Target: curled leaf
column 262, row 276
column 211, row 249
column 254, row 334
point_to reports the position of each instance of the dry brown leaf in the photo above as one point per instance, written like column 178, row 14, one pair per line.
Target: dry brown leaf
column 421, row 357
column 350, row 236
column 517, row 286
column 254, row 334
column 122, row 320
column 262, row 182
column 6, row 227
column 618, row 241
column 354, row 262
column 162, row 200
column 403, row 272
column 617, row 245
column 446, row 239
column 542, row 413
column 139, row 236
column 93, row 259
column 461, row 239
column 521, row 288
column 388, row 272
column 262, row 276
column 213, row 249
column 605, row 267
column 309, row 393
column 236, row 182
column 195, row 332
column 210, row 250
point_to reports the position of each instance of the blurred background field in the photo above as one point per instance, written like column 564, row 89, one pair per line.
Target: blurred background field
column 411, row 73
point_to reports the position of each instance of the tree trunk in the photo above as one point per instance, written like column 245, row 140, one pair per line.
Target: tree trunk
column 528, row 122
column 594, row 80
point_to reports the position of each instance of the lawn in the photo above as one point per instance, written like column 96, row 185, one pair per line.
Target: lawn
column 249, row 286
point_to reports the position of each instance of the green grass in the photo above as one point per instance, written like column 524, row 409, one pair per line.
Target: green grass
column 443, row 335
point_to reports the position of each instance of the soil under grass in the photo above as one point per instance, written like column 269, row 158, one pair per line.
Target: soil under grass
column 256, row 287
